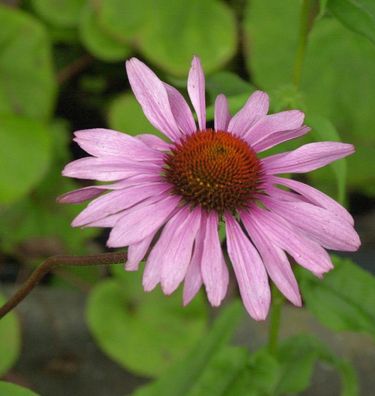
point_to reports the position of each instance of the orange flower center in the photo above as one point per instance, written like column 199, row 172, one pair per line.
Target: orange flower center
column 215, row 170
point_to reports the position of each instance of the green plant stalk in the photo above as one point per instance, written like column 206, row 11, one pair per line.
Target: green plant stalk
column 275, row 320
column 304, row 28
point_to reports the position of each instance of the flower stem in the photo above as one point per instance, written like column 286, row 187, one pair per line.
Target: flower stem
column 306, row 19
column 56, row 261
column 275, row 320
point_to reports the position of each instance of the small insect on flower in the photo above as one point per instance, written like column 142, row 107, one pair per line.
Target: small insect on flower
column 168, row 197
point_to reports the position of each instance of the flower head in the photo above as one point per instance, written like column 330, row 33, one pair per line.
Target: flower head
column 168, row 197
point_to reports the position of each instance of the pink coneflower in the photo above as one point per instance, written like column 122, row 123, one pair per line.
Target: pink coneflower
column 169, row 197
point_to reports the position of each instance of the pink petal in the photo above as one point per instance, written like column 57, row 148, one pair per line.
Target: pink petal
column 307, row 157
column 278, row 137
column 137, row 252
column 305, row 251
column 268, row 125
column 107, row 222
column 324, row 226
column 315, row 196
column 154, row 142
column 222, row 115
column 180, row 238
column 117, row 201
column 214, row 270
column 107, row 143
column 141, row 221
column 254, row 109
column 275, row 261
column 136, row 180
column 196, row 90
column 181, row 110
column 81, row 194
column 193, row 278
column 171, row 246
column 249, row 269
column 283, row 195
column 152, row 96
column 108, row 168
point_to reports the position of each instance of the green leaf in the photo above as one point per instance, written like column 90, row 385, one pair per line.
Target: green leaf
column 126, row 115
column 227, row 83
column 64, row 13
column 9, row 389
column 123, row 19
column 322, row 7
column 145, row 333
column 177, row 30
column 357, row 15
column 10, row 341
column 297, row 357
column 325, row 130
column 344, row 299
column 97, row 40
column 180, row 378
column 220, row 373
column 258, row 378
column 27, row 84
column 25, row 151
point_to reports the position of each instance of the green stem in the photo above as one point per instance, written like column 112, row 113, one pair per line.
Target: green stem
column 275, row 320
column 304, row 28
column 56, row 261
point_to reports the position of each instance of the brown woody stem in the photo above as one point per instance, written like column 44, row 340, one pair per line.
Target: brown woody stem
column 56, row 261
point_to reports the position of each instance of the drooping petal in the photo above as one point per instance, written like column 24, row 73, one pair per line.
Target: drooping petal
column 275, row 261
column 117, row 201
column 306, row 252
column 254, row 109
column 213, row 267
column 137, row 252
column 315, row 196
column 107, row 143
column 250, row 272
column 196, row 89
column 172, row 251
column 177, row 256
column 108, row 168
column 278, row 137
column 307, row 157
column 181, row 110
column 81, row 195
column 153, row 98
column 141, row 221
column 324, row 226
column 222, row 115
column 193, row 279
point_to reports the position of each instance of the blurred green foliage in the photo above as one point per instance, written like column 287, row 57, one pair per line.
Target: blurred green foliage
column 61, row 67
column 214, row 368
column 345, row 300
column 8, row 389
column 144, row 332
column 10, row 341
column 337, row 80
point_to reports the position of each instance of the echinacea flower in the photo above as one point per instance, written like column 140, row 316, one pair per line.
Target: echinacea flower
column 168, row 197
